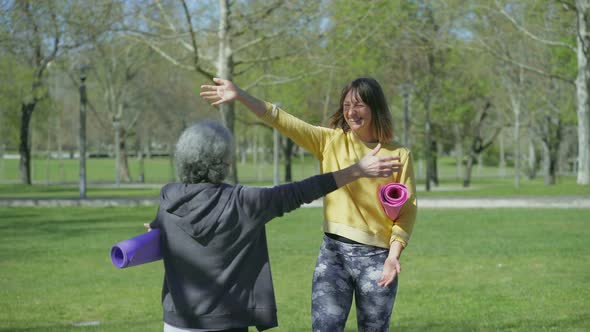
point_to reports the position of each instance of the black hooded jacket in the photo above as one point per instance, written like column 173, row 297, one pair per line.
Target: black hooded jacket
column 217, row 273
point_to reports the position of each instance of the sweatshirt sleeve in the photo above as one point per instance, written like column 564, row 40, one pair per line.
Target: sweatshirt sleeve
column 402, row 227
column 312, row 138
column 264, row 204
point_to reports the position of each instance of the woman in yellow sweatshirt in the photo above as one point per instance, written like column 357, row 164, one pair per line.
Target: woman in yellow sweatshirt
column 361, row 250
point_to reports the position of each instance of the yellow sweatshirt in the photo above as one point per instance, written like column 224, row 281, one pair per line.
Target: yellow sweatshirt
column 353, row 211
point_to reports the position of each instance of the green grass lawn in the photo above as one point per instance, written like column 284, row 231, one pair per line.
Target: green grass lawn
column 49, row 184
column 72, row 191
column 498, row 187
column 502, row 270
column 483, row 188
column 156, row 170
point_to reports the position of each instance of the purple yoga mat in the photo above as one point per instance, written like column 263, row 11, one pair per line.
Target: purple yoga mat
column 144, row 248
column 392, row 197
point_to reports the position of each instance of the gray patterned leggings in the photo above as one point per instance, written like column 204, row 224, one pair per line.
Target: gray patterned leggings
column 345, row 269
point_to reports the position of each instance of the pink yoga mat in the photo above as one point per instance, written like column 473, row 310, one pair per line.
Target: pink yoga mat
column 144, row 248
column 392, row 197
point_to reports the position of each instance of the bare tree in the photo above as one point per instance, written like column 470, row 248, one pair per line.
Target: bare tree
column 581, row 9
column 479, row 140
column 37, row 33
column 36, row 37
column 239, row 36
column 117, row 62
column 550, row 129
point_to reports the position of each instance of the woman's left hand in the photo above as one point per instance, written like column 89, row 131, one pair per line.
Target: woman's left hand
column 391, row 268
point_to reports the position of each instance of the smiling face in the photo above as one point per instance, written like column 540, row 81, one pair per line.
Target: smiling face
column 358, row 116
column 364, row 111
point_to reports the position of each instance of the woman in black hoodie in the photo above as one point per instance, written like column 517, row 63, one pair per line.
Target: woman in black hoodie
column 217, row 273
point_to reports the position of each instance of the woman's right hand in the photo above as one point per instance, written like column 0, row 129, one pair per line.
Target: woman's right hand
column 224, row 92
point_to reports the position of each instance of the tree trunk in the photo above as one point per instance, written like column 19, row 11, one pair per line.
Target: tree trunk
column 502, row 157
column 551, row 142
column 582, row 85
column 62, row 176
column 140, row 159
column 532, row 159
column 255, row 156
column 225, row 70
column 516, row 111
column 275, row 156
column 302, row 160
column 2, row 148
column 468, row 170
column 148, row 144
column 326, row 106
column 24, row 147
column 427, row 144
column 479, row 144
column 434, row 163
column 458, row 151
column 549, row 162
column 48, row 158
column 288, row 153
column 123, row 167
column 172, row 164
column 117, row 145
column 243, row 149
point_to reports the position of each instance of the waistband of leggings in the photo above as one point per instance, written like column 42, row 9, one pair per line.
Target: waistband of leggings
column 352, row 249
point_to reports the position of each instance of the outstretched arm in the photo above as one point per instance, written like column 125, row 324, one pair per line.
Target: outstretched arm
column 267, row 203
column 310, row 137
column 226, row 91
column 370, row 166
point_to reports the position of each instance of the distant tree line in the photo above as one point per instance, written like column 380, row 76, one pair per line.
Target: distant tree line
column 501, row 81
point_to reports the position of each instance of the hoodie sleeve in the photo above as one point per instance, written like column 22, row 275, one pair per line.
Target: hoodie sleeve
column 264, row 204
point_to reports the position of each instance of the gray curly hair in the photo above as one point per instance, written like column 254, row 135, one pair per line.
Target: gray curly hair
column 203, row 153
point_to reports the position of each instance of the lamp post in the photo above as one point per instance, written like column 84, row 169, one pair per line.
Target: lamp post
column 82, row 138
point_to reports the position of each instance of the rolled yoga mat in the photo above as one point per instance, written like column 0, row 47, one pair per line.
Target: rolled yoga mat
column 392, row 197
column 144, row 248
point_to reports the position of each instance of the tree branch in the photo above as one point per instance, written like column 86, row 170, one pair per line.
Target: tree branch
column 195, row 48
column 568, row 5
column 163, row 54
column 529, row 34
column 280, row 80
column 522, row 65
column 172, row 27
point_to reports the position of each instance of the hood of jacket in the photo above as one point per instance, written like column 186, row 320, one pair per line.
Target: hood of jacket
column 195, row 208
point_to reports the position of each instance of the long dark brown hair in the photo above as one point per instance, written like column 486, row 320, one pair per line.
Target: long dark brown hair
column 371, row 93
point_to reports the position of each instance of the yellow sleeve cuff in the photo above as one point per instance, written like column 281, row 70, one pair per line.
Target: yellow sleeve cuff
column 398, row 234
column 271, row 112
